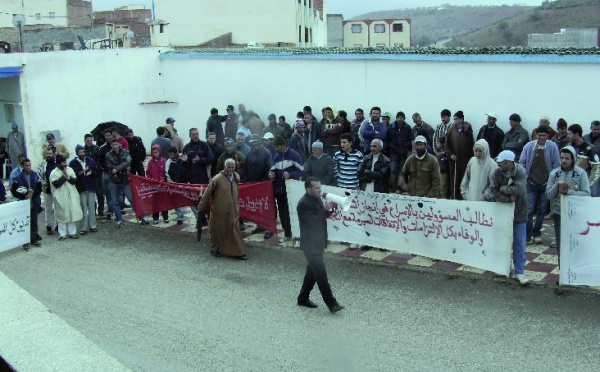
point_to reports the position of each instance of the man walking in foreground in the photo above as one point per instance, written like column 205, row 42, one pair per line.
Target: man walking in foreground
column 312, row 215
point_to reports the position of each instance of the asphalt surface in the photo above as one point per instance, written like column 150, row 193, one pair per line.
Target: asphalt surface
column 157, row 301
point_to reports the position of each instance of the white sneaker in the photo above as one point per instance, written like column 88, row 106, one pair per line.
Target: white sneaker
column 521, row 279
column 354, row 246
column 537, row 240
column 553, row 244
column 284, row 240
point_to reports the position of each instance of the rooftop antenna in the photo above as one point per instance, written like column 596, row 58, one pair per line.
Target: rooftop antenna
column 18, row 21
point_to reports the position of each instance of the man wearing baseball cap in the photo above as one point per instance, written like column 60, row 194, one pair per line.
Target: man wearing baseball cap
column 413, row 179
column 509, row 185
column 493, row 135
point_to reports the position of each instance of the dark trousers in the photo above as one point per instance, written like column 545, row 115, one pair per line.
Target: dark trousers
column 99, row 194
column 33, row 234
column 137, row 168
column 165, row 216
column 316, row 273
column 284, row 213
column 556, row 218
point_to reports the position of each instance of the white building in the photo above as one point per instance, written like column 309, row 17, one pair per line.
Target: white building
column 36, row 12
column 566, row 38
column 301, row 23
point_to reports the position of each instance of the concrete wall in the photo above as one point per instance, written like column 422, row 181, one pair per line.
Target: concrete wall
column 139, row 89
column 335, row 30
column 32, row 8
column 35, row 37
column 567, row 38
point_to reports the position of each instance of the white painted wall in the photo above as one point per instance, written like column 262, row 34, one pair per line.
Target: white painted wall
column 30, row 8
column 75, row 90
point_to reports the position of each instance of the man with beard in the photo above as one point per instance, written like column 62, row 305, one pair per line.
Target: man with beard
column 258, row 164
column 217, row 149
column 593, row 138
column 459, row 149
column 375, row 128
column 45, row 168
column 267, row 140
column 492, row 134
column 27, row 185
column 420, row 175
column 516, row 138
column 298, row 142
column 355, row 126
column 59, row 148
column 222, row 195
column 197, row 156
column 319, row 165
column 231, row 152
column 137, row 150
column 274, row 127
column 85, row 170
column 421, row 128
column 67, row 205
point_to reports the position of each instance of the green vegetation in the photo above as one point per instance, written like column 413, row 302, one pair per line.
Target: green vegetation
column 548, row 18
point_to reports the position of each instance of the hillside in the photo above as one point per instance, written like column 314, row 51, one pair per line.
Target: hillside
column 437, row 23
column 548, row 18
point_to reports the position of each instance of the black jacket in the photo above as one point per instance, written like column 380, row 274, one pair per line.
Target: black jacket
column 313, row 224
column 379, row 175
column 137, row 150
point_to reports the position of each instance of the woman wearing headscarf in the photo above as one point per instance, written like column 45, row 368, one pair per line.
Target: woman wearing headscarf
column 475, row 185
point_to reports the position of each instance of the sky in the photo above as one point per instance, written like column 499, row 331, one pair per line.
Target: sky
column 349, row 8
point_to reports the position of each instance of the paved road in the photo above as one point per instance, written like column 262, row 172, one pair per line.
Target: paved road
column 156, row 301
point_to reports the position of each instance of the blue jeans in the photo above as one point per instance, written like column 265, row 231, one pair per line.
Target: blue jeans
column 537, row 203
column 595, row 189
column 117, row 189
column 179, row 213
column 519, row 246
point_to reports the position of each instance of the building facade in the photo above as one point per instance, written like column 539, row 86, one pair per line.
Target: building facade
column 301, row 23
column 136, row 19
column 384, row 33
column 566, row 38
column 57, row 13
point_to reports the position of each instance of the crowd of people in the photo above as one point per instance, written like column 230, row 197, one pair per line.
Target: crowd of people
column 378, row 152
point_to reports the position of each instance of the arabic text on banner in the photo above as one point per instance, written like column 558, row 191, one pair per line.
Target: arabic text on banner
column 579, row 237
column 255, row 199
column 14, row 224
column 477, row 234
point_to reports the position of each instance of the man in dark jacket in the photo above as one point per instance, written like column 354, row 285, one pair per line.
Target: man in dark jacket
column 312, row 215
column 319, row 165
column 217, row 149
column 399, row 144
column 374, row 171
column 86, row 170
column 213, row 124
column 137, row 151
column 492, row 134
column 27, row 185
column 258, row 164
column 197, row 156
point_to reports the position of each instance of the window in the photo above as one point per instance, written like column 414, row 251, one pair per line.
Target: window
column 306, row 35
column 356, row 28
column 380, row 45
column 299, row 34
column 397, row 27
column 399, row 45
column 9, row 112
column 358, row 45
column 38, row 16
column 162, row 28
column 379, row 28
column 51, row 15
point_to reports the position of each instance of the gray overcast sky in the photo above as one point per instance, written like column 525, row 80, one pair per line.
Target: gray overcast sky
column 349, row 8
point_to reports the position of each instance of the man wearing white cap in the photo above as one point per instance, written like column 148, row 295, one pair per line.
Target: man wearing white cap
column 319, row 165
column 420, row 175
column 544, row 122
column 492, row 134
column 268, row 142
column 509, row 185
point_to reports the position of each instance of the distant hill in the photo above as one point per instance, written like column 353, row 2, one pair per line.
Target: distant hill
column 548, row 18
column 438, row 23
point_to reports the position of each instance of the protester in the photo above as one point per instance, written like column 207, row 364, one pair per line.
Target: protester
column 274, row 127
column 222, row 194
column 509, row 185
column 516, row 138
column 217, row 150
column 156, row 171
column 231, row 124
column 459, row 150
column 103, row 167
column 312, row 216
column 593, row 138
column 492, row 134
column 93, row 151
column 15, row 145
column 162, row 141
column 258, row 164
column 539, row 158
column 475, row 185
column 174, row 172
column 17, row 171
column 171, row 133
column 374, row 128
column 562, row 137
column 399, row 144
column 240, row 143
column 231, row 152
column 420, row 175
column 67, row 204
column 347, row 162
column 298, row 141
column 213, row 124
column 197, row 156
column 268, row 143
column 85, row 170
column 287, row 164
column 544, row 122
column 137, row 150
column 421, row 128
column 568, row 179
column 374, row 171
column 319, row 165
column 27, row 185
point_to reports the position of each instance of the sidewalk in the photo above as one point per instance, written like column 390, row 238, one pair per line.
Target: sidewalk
column 541, row 268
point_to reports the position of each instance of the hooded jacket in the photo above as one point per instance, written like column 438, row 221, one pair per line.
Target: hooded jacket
column 576, row 177
column 156, row 167
column 475, row 185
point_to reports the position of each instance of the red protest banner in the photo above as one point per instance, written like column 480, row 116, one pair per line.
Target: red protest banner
column 255, row 199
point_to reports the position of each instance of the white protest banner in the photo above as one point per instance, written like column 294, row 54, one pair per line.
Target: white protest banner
column 579, row 237
column 478, row 234
column 14, row 224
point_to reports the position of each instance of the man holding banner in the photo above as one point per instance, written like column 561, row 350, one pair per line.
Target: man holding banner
column 27, row 185
column 312, row 215
column 509, row 185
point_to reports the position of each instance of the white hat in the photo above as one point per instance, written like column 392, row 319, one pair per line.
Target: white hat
column 268, row 135
column 420, row 139
column 505, row 155
column 492, row 115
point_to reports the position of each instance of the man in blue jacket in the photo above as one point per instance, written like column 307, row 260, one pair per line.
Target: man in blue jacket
column 27, row 185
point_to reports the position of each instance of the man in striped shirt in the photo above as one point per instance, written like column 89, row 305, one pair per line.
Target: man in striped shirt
column 347, row 163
